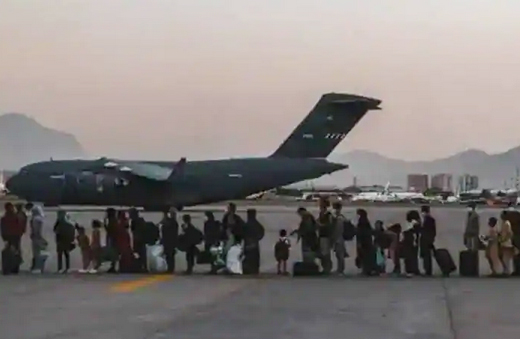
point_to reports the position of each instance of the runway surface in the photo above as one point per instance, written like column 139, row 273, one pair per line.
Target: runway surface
column 77, row 306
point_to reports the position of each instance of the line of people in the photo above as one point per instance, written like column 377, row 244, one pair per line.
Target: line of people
column 405, row 244
column 127, row 238
column 501, row 242
column 330, row 231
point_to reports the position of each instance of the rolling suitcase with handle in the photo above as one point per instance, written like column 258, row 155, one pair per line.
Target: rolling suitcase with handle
column 10, row 261
column 445, row 261
column 469, row 263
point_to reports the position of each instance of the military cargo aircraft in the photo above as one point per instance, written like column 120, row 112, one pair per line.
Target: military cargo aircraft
column 156, row 185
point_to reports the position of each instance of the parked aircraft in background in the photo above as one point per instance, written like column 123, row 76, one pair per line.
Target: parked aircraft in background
column 387, row 196
column 3, row 189
column 156, row 185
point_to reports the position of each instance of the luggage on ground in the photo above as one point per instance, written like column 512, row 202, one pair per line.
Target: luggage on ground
column 469, row 263
column 309, row 256
column 204, row 257
column 108, row 254
column 305, row 269
column 218, row 256
column 39, row 263
column 155, row 259
column 11, row 261
column 445, row 261
column 234, row 260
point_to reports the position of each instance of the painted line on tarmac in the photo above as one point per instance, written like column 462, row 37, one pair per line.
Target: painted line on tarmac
column 133, row 285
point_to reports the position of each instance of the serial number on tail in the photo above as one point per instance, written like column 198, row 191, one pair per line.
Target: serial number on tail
column 335, row 135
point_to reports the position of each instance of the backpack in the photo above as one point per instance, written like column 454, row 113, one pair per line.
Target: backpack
column 152, row 233
column 349, row 230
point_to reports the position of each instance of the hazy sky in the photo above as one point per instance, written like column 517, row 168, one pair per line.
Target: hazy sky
column 206, row 78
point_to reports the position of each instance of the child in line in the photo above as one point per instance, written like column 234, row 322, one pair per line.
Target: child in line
column 281, row 252
column 84, row 246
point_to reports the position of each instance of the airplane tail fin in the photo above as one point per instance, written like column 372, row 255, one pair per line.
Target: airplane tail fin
column 329, row 122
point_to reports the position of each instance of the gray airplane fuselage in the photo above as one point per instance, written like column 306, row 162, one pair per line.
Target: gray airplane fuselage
column 159, row 184
column 69, row 182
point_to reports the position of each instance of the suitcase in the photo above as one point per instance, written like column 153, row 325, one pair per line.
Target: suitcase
column 10, row 261
column 305, row 269
column 445, row 261
column 469, row 263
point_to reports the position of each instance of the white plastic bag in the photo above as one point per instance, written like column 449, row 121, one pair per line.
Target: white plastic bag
column 155, row 258
column 161, row 265
column 234, row 260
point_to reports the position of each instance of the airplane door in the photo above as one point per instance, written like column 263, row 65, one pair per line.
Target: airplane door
column 70, row 187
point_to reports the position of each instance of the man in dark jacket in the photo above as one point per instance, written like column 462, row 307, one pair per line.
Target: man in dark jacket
column 65, row 235
column 192, row 237
column 254, row 232
column 307, row 234
column 139, row 233
column 212, row 231
column 325, row 227
column 213, row 234
column 427, row 239
column 233, row 221
column 170, row 234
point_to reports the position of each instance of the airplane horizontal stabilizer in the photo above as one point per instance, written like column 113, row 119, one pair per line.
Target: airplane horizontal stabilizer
column 329, row 122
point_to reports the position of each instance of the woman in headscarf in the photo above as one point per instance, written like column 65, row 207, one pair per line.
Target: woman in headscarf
column 65, row 234
column 365, row 245
column 38, row 242
column 410, row 245
column 123, row 243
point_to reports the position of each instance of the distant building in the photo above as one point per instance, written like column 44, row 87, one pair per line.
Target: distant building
column 468, row 182
column 417, row 182
column 442, row 182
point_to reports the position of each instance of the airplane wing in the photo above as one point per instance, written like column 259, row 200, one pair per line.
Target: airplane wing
column 135, row 168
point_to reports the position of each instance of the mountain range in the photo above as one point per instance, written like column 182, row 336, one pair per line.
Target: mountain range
column 24, row 140
column 370, row 168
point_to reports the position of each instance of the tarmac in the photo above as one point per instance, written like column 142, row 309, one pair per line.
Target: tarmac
column 75, row 306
